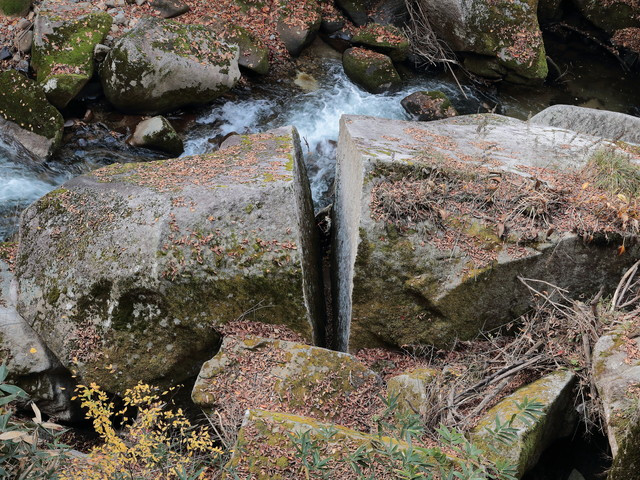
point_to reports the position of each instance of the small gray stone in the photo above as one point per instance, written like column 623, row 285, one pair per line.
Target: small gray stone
column 158, row 134
column 25, row 41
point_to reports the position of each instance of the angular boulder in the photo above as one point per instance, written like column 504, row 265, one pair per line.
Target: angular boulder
column 610, row 15
column 428, row 105
column 616, row 367
column 371, row 70
column 558, row 418
column 126, row 272
column 62, row 53
column 435, row 223
column 298, row 24
column 388, row 40
column 410, row 388
column 506, row 31
column 26, row 114
column 158, row 134
column 31, row 365
column 599, row 123
column 163, row 65
column 253, row 372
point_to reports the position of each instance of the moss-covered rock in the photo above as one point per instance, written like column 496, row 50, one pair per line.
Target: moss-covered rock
column 253, row 54
column 384, row 39
column 26, row 114
column 558, row 418
column 298, row 24
column 371, row 70
column 62, row 53
column 617, row 376
column 158, row 134
column 410, row 388
column 14, row 8
column 128, row 272
column 428, row 105
column 253, row 372
column 610, row 15
column 162, row 65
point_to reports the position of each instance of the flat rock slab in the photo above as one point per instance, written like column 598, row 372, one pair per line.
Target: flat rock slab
column 435, row 223
column 127, row 271
column 557, row 419
column 254, row 372
column 616, row 366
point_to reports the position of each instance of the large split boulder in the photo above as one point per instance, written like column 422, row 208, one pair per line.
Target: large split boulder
column 31, row 365
column 503, row 33
column 163, row 65
column 372, row 71
column 599, row 123
column 26, row 114
column 126, row 272
column 62, row 53
column 437, row 225
column 610, row 15
column 556, row 419
column 616, row 367
column 254, row 372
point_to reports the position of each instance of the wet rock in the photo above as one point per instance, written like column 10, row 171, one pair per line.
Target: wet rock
column 140, row 263
column 14, row 8
column 558, row 419
column 162, row 65
column 390, row 12
column 158, row 134
column 339, row 41
column 286, row 377
column 610, row 15
column 370, row 70
column 426, row 106
column 550, row 10
column 298, row 34
column 388, row 40
column 31, row 365
column 100, row 52
column 26, row 114
column 485, row 66
column 411, row 390
column 599, row 123
column 506, row 30
column 401, row 277
column 616, row 367
column 63, row 52
column 169, row 8
column 357, row 10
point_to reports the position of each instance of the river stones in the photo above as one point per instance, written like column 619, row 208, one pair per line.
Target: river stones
column 616, row 367
column 158, row 134
column 253, row 372
column 126, row 272
column 599, row 123
column 298, row 24
column 558, row 418
column 26, row 114
column 370, row 70
column 420, row 254
column 62, row 53
column 14, row 8
column 610, row 15
column 384, row 39
column 503, row 31
column 163, row 65
column 428, row 105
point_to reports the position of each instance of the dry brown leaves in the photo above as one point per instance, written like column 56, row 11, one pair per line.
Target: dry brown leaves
column 8, row 253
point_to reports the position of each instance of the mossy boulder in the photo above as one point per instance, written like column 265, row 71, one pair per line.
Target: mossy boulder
column 617, row 376
column 158, row 134
column 384, row 39
column 610, row 15
column 428, row 105
column 253, row 54
column 370, row 70
column 62, row 53
column 357, row 10
column 163, row 65
column 410, row 389
column 128, row 272
column 555, row 394
column 253, row 372
column 27, row 115
column 14, row 8
column 298, row 24
column 415, row 262
column 507, row 30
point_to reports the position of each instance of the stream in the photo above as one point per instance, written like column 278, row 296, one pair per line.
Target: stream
column 314, row 105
